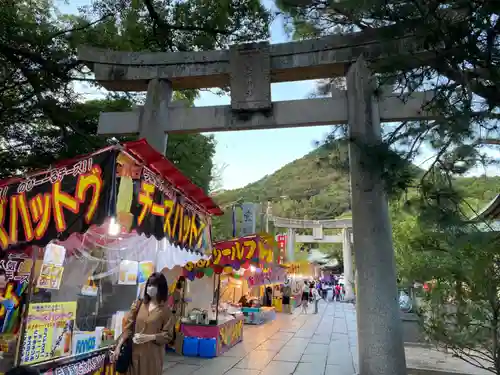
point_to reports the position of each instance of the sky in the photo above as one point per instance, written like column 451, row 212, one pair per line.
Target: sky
column 265, row 151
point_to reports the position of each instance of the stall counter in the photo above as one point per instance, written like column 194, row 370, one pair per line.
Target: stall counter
column 227, row 334
column 258, row 315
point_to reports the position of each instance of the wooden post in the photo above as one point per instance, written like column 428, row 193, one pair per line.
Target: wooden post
column 380, row 341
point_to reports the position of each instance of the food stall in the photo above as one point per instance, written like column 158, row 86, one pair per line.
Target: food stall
column 269, row 280
column 222, row 327
column 67, row 267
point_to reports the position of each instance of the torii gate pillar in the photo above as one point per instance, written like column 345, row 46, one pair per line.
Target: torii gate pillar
column 155, row 114
column 348, row 269
column 380, row 341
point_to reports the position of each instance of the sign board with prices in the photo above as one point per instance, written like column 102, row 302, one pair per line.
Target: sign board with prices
column 49, row 331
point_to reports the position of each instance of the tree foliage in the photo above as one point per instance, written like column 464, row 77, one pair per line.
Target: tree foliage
column 42, row 115
column 460, row 259
column 462, row 67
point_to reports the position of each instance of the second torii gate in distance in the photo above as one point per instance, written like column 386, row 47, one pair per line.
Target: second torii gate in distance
column 249, row 70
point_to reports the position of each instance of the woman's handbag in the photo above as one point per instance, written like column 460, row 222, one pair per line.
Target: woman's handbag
column 125, row 357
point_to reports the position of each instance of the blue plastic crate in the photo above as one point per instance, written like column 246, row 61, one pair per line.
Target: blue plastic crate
column 208, row 348
column 190, row 348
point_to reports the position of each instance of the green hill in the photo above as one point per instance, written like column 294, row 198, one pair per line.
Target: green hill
column 308, row 189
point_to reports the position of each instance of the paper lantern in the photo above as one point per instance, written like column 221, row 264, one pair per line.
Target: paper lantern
column 199, row 274
column 218, row 270
column 245, row 264
column 228, row 269
column 191, row 276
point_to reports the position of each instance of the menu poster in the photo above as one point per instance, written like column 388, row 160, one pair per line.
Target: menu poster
column 54, row 254
column 50, row 276
column 146, row 269
column 49, row 331
column 128, row 272
column 52, row 268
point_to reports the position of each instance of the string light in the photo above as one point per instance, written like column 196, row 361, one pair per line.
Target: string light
column 114, row 229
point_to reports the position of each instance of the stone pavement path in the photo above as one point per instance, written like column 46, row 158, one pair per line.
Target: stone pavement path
column 321, row 344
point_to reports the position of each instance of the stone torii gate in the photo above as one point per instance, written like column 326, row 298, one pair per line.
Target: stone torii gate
column 318, row 236
column 249, row 70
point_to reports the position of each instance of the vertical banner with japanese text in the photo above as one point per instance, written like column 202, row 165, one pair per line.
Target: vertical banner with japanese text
column 248, row 223
column 281, row 240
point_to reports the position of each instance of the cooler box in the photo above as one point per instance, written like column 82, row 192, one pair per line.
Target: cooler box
column 190, row 347
column 208, row 348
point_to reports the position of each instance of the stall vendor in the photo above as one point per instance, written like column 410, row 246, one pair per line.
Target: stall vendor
column 244, row 300
column 268, row 297
column 178, row 308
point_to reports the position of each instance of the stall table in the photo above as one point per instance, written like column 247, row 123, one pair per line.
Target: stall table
column 258, row 315
column 227, row 334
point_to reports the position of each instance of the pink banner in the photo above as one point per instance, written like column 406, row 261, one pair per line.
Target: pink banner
column 276, row 275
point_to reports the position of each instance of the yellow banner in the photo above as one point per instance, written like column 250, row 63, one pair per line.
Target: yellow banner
column 49, row 331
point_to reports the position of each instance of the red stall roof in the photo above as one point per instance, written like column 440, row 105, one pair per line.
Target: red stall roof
column 158, row 163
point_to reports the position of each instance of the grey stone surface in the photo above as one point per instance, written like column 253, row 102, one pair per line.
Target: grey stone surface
column 261, row 354
column 310, row 368
column 381, row 348
column 325, row 57
column 293, row 113
column 250, row 76
column 154, row 115
column 279, row 368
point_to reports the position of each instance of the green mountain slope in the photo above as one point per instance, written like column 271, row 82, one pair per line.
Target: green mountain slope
column 305, row 188
column 302, row 188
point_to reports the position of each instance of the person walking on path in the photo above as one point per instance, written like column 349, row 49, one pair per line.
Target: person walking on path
column 150, row 324
column 305, row 297
column 316, row 299
column 337, row 292
column 324, row 290
column 287, row 293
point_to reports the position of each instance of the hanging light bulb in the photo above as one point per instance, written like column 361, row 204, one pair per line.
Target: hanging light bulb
column 114, row 229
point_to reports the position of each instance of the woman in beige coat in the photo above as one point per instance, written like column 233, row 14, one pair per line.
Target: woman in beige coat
column 154, row 328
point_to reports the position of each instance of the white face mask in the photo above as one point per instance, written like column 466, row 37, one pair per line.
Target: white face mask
column 152, row 291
